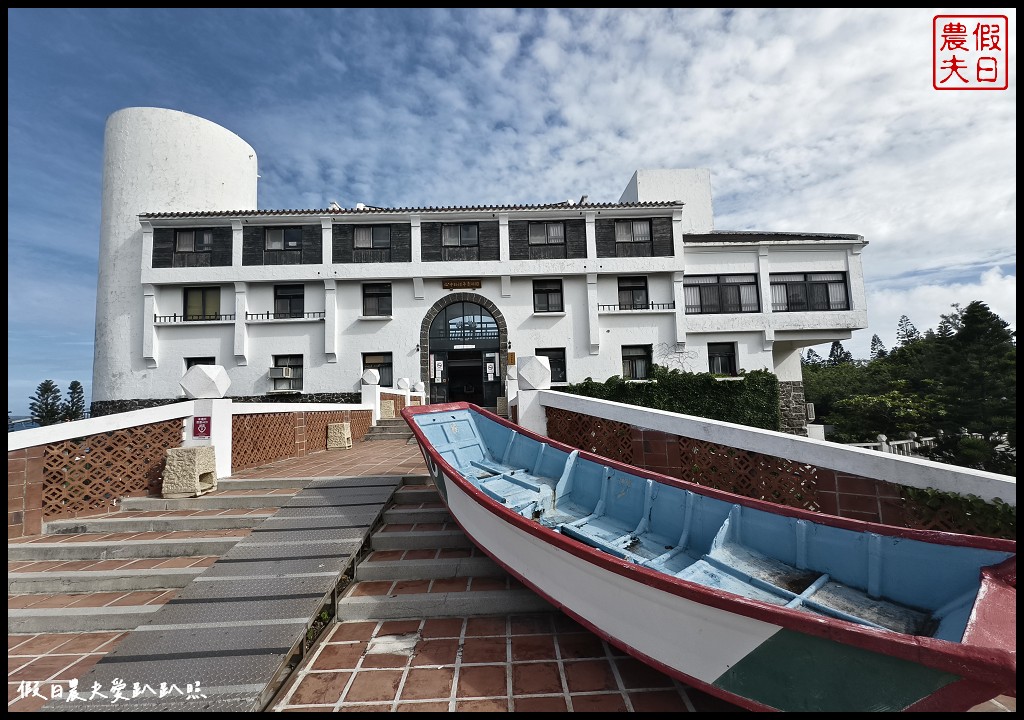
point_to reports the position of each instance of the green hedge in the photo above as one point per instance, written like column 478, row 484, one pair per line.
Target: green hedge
column 752, row 400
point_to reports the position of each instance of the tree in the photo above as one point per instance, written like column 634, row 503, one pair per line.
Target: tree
column 957, row 383
column 74, row 407
column 813, row 359
column 906, row 333
column 839, row 355
column 878, row 350
column 45, row 405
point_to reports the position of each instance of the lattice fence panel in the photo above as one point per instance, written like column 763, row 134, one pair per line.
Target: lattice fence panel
column 316, row 427
column 607, row 438
column 89, row 475
column 948, row 517
column 260, row 439
column 765, row 477
column 362, row 420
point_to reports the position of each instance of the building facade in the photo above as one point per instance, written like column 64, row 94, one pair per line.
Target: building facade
column 298, row 304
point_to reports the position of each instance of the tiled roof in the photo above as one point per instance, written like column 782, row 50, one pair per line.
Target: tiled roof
column 369, row 210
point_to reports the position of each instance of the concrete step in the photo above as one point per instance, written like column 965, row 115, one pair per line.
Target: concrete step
column 92, row 581
column 416, row 480
column 440, row 604
column 387, row 435
column 263, row 483
column 419, row 539
column 216, row 501
column 426, row 569
column 70, row 620
column 108, row 550
column 415, row 495
column 166, row 523
column 397, row 514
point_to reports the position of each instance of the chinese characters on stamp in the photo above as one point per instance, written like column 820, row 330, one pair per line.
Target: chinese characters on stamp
column 970, row 52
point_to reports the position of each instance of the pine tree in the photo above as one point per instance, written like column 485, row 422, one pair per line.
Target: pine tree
column 906, row 333
column 878, row 350
column 45, row 405
column 813, row 359
column 839, row 355
column 74, row 407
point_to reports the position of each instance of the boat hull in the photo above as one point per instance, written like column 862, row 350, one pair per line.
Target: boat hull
column 724, row 645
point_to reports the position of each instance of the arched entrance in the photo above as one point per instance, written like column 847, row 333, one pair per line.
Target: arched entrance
column 463, row 343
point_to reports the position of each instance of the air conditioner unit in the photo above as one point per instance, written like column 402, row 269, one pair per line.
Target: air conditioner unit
column 810, row 412
column 280, row 372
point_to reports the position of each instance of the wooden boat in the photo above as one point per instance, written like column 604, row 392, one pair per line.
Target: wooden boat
column 768, row 607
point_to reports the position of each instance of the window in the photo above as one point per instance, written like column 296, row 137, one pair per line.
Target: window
column 372, row 243
column 460, row 242
column 632, row 231
column 289, row 301
column 794, row 292
column 547, row 296
column 636, row 361
column 193, row 361
column 722, row 358
column 546, row 240
column 376, row 299
column 556, row 360
column 381, row 362
column 720, row 294
column 293, row 382
column 289, row 238
column 372, row 236
column 633, row 293
column 202, row 303
column 547, row 233
column 193, row 241
column 633, row 238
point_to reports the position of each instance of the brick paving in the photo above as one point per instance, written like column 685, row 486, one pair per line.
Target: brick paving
column 528, row 663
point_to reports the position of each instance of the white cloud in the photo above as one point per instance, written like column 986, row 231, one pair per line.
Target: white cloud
column 810, row 120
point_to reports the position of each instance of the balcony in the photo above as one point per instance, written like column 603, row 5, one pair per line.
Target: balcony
column 648, row 307
column 283, row 316
column 208, row 318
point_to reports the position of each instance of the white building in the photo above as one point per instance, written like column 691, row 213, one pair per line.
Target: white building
column 297, row 304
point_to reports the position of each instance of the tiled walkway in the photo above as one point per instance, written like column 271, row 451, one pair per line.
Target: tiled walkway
column 524, row 663
column 530, row 663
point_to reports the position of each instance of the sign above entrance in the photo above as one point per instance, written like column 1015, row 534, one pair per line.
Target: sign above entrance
column 461, row 284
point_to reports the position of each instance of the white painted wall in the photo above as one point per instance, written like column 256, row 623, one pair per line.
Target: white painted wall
column 154, row 160
column 166, row 161
column 691, row 186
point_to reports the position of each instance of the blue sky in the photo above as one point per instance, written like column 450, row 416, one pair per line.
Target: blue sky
column 821, row 120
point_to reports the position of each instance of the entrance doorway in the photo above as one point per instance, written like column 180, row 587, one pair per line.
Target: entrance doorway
column 463, row 365
column 465, row 376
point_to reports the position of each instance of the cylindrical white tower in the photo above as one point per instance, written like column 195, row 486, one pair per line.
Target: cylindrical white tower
column 154, row 160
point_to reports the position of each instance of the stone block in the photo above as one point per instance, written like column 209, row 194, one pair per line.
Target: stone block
column 190, row 471
column 339, row 436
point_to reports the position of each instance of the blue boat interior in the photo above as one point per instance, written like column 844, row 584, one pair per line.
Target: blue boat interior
column 891, row 583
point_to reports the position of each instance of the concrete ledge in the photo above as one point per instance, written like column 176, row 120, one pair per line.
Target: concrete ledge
column 86, row 581
column 157, row 524
column 207, row 502
column 420, row 540
column 399, row 515
column 67, row 620
column 427, row 569
column 190, row 547
column 434, row 605
column 414, row 494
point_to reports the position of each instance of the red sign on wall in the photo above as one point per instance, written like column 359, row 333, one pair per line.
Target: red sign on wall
column 201, row 427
